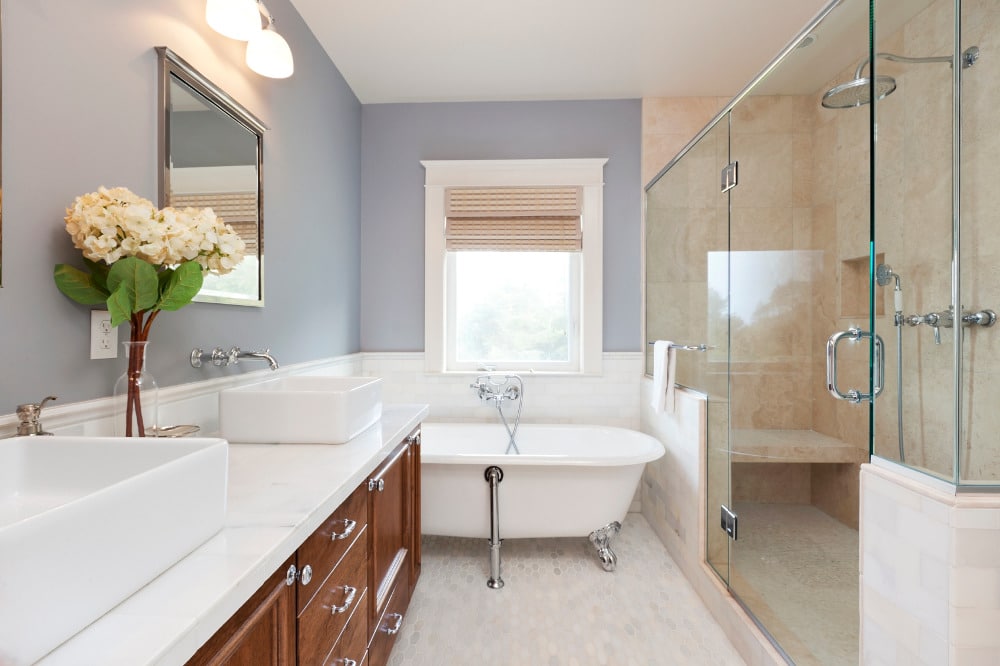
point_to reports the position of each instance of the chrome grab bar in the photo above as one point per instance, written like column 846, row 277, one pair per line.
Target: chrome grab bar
column 854, row 334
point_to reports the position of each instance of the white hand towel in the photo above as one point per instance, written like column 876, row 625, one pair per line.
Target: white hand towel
column 664, row 365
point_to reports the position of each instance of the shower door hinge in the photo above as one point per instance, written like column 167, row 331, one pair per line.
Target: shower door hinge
column 728, row 522
column 729, row 176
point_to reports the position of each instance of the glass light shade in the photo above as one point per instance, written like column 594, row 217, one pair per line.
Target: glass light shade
column 268, row 55
column 237, row 19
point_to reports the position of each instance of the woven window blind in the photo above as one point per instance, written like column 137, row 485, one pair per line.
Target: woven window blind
column 514, row 219
column 237, row 209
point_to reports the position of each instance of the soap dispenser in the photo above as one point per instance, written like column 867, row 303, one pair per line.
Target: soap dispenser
column 28, row 416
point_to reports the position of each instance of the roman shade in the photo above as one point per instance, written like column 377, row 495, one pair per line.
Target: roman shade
column 514, row 219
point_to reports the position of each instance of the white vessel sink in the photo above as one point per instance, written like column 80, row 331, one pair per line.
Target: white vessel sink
column 87, row 521
column 301, row 409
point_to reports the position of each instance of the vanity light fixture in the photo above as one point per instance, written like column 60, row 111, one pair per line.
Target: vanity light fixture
column 268, row 53
column 237, row 19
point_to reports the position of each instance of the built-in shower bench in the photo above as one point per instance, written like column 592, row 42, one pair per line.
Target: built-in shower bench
column 792, row 446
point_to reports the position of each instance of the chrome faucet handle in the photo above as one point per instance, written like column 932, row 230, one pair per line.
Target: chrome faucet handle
column 28, row 414
column 983, row 318
column 232, row 357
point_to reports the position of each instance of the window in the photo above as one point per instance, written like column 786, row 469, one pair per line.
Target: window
column 513, row 265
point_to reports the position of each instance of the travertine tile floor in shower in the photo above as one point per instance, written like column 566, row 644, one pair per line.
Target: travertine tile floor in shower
column 558, row 607
column 797, row 570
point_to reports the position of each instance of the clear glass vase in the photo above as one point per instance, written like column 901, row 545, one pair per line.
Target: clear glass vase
column 135, row 395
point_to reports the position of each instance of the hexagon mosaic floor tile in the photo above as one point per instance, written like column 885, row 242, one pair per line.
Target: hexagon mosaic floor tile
column 558, row 607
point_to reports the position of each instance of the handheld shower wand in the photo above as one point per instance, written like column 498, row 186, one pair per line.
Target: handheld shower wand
column 884, row 273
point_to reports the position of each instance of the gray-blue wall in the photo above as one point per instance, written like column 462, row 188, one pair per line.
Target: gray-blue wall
column 79, row 111
column 395, row 137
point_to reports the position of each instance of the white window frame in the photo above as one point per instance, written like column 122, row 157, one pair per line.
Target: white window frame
column 586, row 173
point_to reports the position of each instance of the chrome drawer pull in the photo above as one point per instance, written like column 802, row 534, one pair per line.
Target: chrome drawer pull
column 343, row 661
column 376, row 484
column 349, row 526
column 351, row 592
column 399, row 622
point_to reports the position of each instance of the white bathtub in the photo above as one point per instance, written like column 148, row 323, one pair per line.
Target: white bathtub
column 568, row 480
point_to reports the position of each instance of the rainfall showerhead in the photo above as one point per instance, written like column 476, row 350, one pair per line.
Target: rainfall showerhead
column 858, row 92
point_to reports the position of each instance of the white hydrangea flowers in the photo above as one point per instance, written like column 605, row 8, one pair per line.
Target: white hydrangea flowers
column 113, row 223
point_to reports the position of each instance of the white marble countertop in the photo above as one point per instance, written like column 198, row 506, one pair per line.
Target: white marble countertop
column 278, row 495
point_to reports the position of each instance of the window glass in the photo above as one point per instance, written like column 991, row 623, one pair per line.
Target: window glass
column 513, row 309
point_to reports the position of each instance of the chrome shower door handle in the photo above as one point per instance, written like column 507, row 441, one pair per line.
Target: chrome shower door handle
column 878, row 372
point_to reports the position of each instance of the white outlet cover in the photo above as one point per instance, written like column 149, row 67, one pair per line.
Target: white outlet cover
column 103, row 336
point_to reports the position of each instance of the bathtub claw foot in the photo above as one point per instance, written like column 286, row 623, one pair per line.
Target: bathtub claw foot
column 601, row 539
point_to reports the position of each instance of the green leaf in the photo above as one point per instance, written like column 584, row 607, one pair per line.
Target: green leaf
column 98, row 273
column 120, row 307
column 134, row 288
column 180, row 286
column 78, row 285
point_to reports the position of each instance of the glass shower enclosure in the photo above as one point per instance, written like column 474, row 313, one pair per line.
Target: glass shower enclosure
column 802, row 224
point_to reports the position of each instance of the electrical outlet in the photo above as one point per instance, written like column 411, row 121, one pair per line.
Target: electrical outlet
column 103, row 336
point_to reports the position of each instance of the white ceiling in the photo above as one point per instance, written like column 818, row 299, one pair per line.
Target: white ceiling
column 461, row 50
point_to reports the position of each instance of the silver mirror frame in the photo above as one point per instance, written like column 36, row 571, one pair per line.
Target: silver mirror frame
column 1, row 146
column 171, row 66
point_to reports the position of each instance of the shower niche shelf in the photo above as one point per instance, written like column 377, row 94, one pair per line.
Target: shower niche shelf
column 855, row 274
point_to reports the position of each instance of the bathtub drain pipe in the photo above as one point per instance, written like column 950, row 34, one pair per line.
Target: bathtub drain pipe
column 494, row 475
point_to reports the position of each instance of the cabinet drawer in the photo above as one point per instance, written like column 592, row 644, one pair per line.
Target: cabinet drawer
column 327, row 545
column 344, row 591
column 350, row 649
column 385, row 631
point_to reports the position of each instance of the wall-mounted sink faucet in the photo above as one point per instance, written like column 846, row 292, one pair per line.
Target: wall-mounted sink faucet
column 221, row 358
column 260, row 355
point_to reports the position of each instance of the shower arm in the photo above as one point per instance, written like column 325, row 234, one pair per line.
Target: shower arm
column 969, row 57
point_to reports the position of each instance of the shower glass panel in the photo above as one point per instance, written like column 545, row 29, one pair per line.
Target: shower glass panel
column 799, row 266
column 937, row 250
column 979, row 446
column 765, row 273
column 687, row 220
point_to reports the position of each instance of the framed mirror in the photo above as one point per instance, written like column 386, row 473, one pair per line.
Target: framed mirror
column 210, row 151
column 1, row 150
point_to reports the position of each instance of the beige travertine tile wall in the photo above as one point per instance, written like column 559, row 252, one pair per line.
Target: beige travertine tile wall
column 803, row 172
column 914, row 231
column 668, row 124
column 980, row 242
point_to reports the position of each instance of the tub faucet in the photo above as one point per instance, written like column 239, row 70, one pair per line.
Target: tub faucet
column 236, row 354
column 511, row 388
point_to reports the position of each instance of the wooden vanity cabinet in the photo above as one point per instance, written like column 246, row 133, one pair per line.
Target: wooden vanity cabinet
column 337, row 555
column 261, row 633
column 394, row 521
column 363, row 562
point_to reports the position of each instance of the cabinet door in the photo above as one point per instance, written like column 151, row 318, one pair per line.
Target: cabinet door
column 388, row 520
column 413, row 510
column 261, row 633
